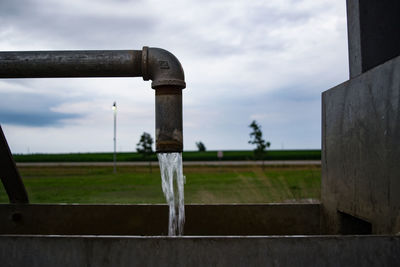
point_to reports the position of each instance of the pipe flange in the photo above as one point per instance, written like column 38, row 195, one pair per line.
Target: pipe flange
column 171, row 82
column 145, row 62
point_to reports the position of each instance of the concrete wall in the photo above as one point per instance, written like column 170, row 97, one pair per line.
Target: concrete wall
column 361, row 150
column 36, row 251
column 224, row 219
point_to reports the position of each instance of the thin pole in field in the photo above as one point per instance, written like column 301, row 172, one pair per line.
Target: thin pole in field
column 115, row 135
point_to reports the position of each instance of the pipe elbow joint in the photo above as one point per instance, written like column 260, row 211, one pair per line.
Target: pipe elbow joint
column 162, row 67
column 168, row 80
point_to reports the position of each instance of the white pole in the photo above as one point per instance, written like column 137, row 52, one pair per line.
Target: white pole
column 115, row 136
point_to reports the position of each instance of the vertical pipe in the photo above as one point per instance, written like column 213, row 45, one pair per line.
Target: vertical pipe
column 169, row 136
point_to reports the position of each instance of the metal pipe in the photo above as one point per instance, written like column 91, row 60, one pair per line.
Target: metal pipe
column 155, row 64
column 169, row 119
column 58, row 64
column 166, row 72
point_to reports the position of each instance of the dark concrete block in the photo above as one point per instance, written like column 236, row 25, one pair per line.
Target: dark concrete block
column 361, row 149
column 373, row 33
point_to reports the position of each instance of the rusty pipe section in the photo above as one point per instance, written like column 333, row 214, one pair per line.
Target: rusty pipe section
column 169, row 137
column 155, row 64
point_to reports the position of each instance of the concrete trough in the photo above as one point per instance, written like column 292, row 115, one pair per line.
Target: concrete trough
column 152, row 220
column 101, row 251
column 215, row 235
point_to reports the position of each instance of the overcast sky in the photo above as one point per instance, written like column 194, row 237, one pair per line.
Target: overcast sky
column 244, row 60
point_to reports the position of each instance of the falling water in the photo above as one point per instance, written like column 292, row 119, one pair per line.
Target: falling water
column 172, row 186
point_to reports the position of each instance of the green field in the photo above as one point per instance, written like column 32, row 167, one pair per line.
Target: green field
column 187, row 155
column 135, row 184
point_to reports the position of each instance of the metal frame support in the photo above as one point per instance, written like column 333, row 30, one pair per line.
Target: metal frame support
column 9, row 174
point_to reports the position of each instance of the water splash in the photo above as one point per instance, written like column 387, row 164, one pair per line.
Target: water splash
column 172, row 185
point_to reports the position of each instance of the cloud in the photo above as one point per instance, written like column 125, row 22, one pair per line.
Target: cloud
column 35, row 119
column 29, row 109
column 243, row 60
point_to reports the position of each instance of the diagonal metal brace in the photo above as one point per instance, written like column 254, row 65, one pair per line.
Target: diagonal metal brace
column 9, row 174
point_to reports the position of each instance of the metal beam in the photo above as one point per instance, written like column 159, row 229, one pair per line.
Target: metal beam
column 9, row 174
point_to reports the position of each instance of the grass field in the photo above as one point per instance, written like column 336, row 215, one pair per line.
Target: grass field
column 135, row 184
column 187, row 155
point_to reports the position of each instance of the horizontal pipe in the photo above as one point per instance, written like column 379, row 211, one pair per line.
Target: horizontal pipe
column 59, row 64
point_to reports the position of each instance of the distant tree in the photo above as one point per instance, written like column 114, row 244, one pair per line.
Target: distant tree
column 145, row 146
column 256, row 138
column 200, row 146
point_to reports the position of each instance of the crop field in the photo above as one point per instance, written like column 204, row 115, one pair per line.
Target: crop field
column 187, row 155
column 140, row 184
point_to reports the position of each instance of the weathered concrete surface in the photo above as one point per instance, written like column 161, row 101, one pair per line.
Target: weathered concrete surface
column 361, row 149
column 373, row 33
column 354, row 37
column 145, row 220
column 37, row 251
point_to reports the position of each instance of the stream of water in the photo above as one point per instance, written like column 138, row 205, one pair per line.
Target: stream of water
column 172, row 185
